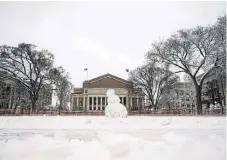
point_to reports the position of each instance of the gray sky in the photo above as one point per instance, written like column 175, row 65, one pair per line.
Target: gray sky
column 105, row 37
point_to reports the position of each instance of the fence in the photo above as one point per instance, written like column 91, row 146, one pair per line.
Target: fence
column 173, row 112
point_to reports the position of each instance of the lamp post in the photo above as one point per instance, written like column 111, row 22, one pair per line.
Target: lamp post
column 86, row 87
column 127, row 99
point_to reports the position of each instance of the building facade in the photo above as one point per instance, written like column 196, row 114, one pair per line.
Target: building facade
column 92, row 96
column 214, row 88
column 182, row 96
column 185, row 95
column 12, row 94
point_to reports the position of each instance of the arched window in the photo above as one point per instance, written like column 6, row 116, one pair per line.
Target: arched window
column 215, row 83
column 210, row 85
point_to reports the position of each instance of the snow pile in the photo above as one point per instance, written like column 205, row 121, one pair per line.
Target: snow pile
column 101, row 122
column 100, row 138
column 112, row 146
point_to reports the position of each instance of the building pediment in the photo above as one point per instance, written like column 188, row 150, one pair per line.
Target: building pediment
column 107, row 81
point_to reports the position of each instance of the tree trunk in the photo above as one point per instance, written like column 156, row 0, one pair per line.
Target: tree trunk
column 169, row 108
column 222, row 88
column 59, row 108
column 34, row 99
column 33, row 105
column 60, row 103
column 198, row 90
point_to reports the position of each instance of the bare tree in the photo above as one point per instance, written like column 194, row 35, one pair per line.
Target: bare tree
column 220, row 37
column 61, row 79
column 154, row 81
column 28, row 66
column 192, row 51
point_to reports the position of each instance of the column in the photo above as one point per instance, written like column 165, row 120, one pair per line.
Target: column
column 92, row 104
column 10, row 97
column 130, row 101
column 126, row 101
column 71, row 102
column 143, row 102
column 84, row 102
column 77, row 101
column 88, row 103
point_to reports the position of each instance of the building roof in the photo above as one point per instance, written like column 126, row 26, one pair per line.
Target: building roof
column 107, row 75
column 183, row 85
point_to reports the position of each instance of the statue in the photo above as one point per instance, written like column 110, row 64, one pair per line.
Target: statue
column 114, row 107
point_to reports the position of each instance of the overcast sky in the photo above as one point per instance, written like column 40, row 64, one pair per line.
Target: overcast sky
column 105, row 37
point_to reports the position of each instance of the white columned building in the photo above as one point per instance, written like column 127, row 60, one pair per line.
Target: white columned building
column 92, row 96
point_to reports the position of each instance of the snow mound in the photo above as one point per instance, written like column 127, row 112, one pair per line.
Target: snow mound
column 112, row 146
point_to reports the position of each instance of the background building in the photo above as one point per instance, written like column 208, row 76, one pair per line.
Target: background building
column 92, row 96
column 12, row 94
column 214, row 88
column 182, row 96
column 185, row 95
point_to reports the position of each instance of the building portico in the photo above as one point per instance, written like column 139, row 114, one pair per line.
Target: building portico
column 92, row 97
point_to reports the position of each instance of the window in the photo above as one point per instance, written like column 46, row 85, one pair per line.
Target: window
column 210, row 85
column 90, row 100
column 99, row 100
column 216, row 94
column 215, row 83
column 94, row 100
column 124, row 100
column 210, row 95
column 187, row 92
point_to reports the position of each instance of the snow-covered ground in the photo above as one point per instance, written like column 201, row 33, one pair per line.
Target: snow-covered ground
column 99, row 138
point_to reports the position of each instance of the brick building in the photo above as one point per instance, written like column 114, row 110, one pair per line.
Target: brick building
column 214, row 88
column 182, row 97
column 185, row 95
column 92, row 96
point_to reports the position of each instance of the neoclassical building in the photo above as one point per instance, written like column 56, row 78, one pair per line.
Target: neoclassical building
column 12, row 94
column 92, row 95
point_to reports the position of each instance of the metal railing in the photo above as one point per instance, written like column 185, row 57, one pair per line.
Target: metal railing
column 173, row 112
